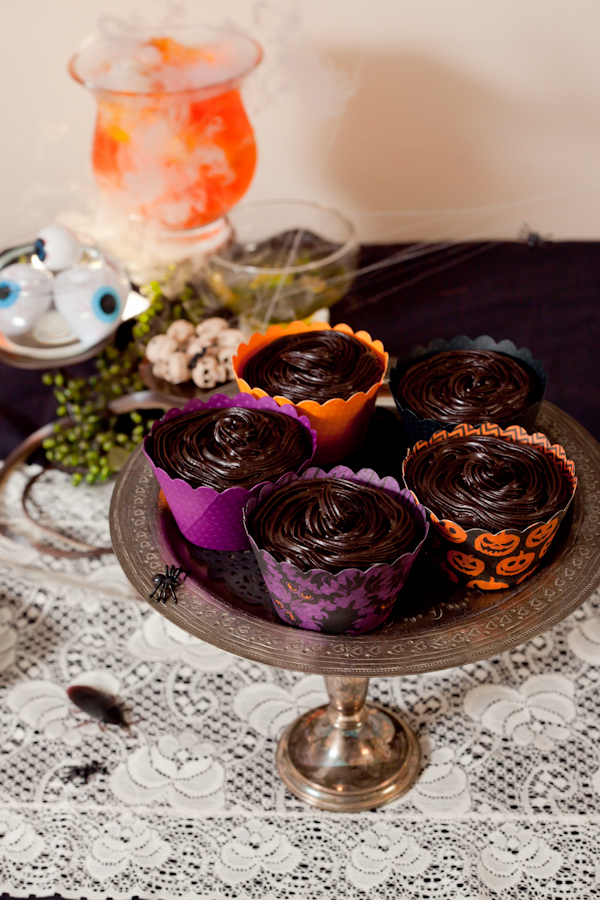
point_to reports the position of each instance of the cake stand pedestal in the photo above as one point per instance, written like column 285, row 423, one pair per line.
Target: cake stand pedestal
column 348, row 755
column 351, row 755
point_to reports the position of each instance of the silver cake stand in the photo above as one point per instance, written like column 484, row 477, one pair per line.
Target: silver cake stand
column 352, row 755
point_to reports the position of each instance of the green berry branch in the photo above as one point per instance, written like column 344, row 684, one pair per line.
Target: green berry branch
column 92, row 443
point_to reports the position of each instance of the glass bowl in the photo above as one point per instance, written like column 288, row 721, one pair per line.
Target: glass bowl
column 286, row 259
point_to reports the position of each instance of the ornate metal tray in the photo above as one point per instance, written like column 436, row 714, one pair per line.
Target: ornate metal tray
column 434, row 626
column 352, row 755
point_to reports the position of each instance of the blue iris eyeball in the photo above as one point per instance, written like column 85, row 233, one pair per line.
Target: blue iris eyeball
column 106, row 304
column 40, row 249
column 60, row 248
column 25, row 295
column 91, row 298
column 9, row 293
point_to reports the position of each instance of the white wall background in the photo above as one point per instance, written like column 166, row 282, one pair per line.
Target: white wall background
column 435, row 119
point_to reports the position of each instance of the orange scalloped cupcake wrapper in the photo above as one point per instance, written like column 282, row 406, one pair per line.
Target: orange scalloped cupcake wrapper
column 493, row 561
column 341, row 425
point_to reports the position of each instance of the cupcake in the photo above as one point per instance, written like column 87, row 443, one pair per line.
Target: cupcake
column 335, row 549
column 330, row 375
column 496, row 499
column 211, row 457
column 467, row 381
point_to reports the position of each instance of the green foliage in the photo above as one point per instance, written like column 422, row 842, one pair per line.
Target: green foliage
column 98, row 442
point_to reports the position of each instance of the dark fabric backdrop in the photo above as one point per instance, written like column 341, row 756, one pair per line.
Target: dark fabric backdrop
column 544, row 297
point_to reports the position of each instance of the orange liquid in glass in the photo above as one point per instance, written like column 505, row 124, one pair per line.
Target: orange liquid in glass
column 179, row 159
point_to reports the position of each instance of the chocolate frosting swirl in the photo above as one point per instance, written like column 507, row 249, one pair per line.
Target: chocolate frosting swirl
column 468, row 386
column 314, row 365
column 482, row 481
column 229, row 447
column 332, row 524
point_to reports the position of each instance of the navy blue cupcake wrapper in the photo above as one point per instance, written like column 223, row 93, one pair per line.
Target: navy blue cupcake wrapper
column 418, row 429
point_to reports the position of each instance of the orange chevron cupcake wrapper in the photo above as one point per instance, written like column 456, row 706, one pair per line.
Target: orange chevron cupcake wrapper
column 492, row 561
column 340, row 424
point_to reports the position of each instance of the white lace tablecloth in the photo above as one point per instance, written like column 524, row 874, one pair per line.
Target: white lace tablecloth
column 190, row 805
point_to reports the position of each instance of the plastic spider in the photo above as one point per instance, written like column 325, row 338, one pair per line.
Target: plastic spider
column 533, row 239
column 80, row 775
column 166, row 584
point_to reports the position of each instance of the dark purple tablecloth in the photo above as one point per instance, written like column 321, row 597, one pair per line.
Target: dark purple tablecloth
column 544, row 298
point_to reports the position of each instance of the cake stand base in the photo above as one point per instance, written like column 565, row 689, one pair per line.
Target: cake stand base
column 349, row 755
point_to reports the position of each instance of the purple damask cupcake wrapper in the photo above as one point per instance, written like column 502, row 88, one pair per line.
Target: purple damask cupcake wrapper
column 207, row 517
column 418, row 429
column 352, row 601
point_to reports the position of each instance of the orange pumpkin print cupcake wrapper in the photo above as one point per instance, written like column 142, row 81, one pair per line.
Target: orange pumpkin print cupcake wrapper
column 340, row 424
column 493, row 561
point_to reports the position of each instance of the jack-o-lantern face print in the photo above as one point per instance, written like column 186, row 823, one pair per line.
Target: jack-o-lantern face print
column 497, row 544
column 514, row 565
column 465, row 563
column 490, row 585
column 540, row 534
column 451, row 531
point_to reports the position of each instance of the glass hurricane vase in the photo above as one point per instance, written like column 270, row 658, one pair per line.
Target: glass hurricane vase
column 173, row 145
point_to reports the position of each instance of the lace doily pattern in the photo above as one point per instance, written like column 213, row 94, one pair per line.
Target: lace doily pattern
column 122, row 855
column 187, row 801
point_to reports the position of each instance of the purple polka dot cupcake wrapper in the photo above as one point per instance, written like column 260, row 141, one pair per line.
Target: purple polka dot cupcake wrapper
column 207, row 517
column 352, row 601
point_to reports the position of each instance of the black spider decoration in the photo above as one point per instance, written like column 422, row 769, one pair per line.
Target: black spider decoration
column 80, row 775
column 533, row 239
column 166, row 584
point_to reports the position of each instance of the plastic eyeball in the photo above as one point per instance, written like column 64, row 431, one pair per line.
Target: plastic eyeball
column 57, row 247
column 25, row 294
column 91, row 299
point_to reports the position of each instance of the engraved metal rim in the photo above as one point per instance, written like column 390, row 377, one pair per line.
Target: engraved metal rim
column 542, row 601
column 315, row 794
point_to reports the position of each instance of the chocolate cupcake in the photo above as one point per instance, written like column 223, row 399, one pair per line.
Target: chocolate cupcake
column 210, row 457
column 314, row 365
column 467, row 381
column 496, row 499
column 335, row 549
column 331, row 375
